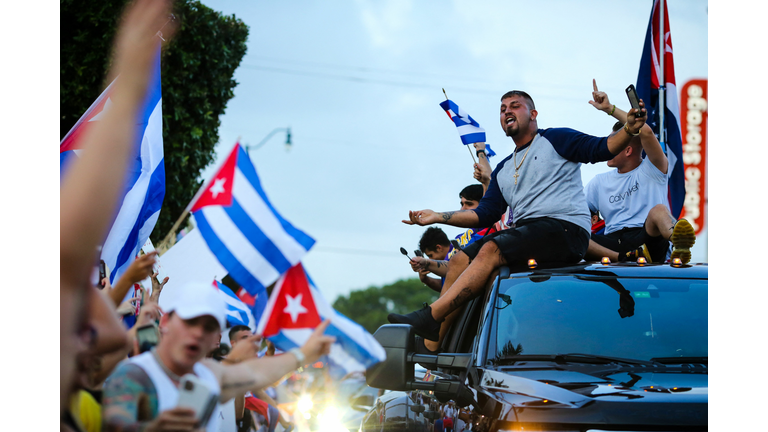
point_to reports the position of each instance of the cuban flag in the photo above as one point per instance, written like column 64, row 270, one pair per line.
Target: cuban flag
column 648, row 80
column 296, row 307
column 244, row 231
column 238, row 313
column 145, row 184
column 469, row 130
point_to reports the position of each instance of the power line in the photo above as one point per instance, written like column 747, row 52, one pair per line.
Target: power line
column 364, row 80
column 350, row 251
column 367, row 69
column 559, row 95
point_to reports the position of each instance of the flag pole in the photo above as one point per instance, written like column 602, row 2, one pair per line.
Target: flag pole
column 169, row 240
column 662, row 81
column 467, row 146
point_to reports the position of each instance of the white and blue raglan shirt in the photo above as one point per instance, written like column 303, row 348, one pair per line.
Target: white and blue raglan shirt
column 549, row 182
column 625, row 199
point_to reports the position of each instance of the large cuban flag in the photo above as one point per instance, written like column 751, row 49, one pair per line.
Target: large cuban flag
column 296, row 307
column 238, row 313
column 145, row 185
column 244, row 231
column 648, row 80
column 469, row 130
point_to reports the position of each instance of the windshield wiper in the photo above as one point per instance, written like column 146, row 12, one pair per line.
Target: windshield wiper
column 575, row 358
column 681, row 360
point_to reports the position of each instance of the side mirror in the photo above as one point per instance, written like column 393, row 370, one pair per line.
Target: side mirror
column 418, row 408
column 395, row 372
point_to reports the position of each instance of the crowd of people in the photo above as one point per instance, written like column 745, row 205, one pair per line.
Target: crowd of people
column 534, row 206
column 114, row 378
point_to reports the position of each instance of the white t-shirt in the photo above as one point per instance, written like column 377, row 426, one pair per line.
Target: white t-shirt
column 449, row 412
column 624, row 200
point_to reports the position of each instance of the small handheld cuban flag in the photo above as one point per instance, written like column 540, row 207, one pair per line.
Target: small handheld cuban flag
column 251, row 240
column 296, row 307
column 469, row 130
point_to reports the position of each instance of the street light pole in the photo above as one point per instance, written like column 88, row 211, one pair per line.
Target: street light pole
column 288, row 142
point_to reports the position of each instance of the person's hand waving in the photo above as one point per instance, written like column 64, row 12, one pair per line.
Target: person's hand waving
column 157, row 288
column 600, row 99
column 318, row 344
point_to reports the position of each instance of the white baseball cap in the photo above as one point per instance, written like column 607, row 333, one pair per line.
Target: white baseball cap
column 196, row 299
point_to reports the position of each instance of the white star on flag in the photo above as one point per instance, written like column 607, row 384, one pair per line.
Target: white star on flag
column 294, row 307
column 218, row 187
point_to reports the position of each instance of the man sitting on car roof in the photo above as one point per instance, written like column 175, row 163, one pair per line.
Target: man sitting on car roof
column 633, row 200
column 547, row 200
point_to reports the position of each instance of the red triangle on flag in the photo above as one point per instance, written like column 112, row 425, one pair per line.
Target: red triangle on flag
column 219, row 189
column 246, row 297
column 294, row 307
column 72, row 139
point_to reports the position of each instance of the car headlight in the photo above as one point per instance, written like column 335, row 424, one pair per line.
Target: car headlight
column 304, row 405
column 330, row 420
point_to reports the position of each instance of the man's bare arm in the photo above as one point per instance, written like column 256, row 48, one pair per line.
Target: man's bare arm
column 122, row 392
column 431, row 283
column 459, row 218
column 255, row 374
column 653, row 149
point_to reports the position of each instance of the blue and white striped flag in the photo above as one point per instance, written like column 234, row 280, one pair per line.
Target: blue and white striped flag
column 238, row 313
column 244, row 231
column 145, row 188
column 469, row 130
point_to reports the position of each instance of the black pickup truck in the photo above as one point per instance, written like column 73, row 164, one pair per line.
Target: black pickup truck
column 589, row 347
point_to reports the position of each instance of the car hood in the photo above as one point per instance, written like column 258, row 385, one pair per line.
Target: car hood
column 659, row 396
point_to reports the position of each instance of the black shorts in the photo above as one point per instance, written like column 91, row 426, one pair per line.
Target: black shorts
column 542, row 239
column 627, row 239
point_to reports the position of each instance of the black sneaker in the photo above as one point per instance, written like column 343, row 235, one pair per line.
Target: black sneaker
column 683, row 237
column 422, row 322
column 633, row 255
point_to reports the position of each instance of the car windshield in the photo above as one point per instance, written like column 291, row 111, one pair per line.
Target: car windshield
column 630, row 318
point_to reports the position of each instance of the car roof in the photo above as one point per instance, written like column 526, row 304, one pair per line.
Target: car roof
column 625, row 270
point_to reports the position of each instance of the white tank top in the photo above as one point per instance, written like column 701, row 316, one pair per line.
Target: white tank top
column 168, row 393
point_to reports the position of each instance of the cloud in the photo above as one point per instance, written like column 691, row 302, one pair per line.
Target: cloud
column 385, row 22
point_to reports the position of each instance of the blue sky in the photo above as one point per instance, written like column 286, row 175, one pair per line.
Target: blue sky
column 359, row 83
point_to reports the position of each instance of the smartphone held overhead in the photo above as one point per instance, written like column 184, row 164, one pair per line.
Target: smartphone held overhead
column 634, row 100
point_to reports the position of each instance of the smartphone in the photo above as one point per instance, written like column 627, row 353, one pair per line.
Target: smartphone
column 634, row 101
column 194, row 394
column 418, row 253
column 148, row 336
column 102, row 273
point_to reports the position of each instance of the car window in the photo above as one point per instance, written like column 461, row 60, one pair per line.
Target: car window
column 619, row 317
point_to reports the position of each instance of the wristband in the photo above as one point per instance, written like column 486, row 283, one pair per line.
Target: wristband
column 479, row 152
column 299, row 356
column 614, row 109
column 626, row 129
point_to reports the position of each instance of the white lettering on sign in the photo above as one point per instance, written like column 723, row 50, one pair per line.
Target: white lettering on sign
column 692, row 153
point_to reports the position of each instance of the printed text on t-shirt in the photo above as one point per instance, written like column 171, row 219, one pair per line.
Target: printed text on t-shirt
column 625, row 195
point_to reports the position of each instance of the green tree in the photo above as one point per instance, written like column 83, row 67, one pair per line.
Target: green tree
column 197, row 70
column 369, row 307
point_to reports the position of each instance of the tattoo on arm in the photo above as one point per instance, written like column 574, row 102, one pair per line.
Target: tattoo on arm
column 234, row 385
column 447, row 215
column 130, row 399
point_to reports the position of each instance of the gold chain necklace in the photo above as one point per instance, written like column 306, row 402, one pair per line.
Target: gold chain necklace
column 514, row 161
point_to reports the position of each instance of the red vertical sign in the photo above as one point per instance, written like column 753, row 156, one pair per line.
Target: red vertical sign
column 693, row 124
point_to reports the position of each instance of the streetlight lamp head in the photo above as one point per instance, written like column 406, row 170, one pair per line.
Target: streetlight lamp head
column 288, row 142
